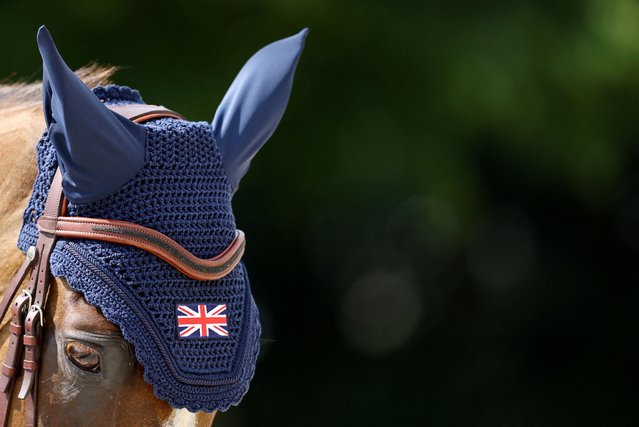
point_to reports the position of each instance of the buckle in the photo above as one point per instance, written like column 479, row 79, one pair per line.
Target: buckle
column 32, row 253
column 36, row 307
column 27, row 294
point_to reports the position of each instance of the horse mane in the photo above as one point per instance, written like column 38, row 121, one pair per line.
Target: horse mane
column 21, row 124
column 22, row 94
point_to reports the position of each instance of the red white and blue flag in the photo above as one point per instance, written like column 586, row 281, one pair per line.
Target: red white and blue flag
column 202, row 320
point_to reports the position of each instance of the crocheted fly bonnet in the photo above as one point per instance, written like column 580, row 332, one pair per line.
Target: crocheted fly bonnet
column 197, row 339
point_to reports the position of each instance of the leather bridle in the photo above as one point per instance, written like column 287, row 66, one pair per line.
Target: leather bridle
column 27, row 309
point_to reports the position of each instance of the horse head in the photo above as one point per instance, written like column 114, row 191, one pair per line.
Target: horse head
column 129, row 338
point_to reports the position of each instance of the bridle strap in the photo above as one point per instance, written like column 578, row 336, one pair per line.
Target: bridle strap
column 15, row 283
column 27, row 310
column 26, row 332
column 35, row 316
column 9, row 367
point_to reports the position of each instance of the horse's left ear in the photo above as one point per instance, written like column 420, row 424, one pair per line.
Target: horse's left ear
column 98, row 150
column 255, row 103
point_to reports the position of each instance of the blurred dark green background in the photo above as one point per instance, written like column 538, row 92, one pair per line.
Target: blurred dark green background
column 445, row 228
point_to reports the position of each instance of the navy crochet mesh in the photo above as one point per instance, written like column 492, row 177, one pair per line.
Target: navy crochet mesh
column 181, row 191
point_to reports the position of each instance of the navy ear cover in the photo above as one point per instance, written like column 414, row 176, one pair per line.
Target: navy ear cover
column 98, row 150
column 255, row 103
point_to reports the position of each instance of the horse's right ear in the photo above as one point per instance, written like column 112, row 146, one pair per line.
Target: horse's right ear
column 255, row 103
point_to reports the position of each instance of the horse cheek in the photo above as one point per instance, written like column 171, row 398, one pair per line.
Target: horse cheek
column 140, row 403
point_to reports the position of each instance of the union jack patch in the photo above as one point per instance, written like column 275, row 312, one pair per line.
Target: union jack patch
column 201, row 320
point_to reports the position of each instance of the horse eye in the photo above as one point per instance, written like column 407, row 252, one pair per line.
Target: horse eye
column 83, row 356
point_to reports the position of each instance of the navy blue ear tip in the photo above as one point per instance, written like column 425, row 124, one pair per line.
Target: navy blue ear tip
column 46, row 45
column 43, row 34
column 301, row 36
column 304, row 33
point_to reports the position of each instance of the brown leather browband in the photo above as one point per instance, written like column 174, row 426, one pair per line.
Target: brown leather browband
column 152, row 241
column 27, row 314
column 142, row 112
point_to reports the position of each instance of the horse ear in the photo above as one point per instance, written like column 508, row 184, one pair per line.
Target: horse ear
column 98, row 150
column 255, row 103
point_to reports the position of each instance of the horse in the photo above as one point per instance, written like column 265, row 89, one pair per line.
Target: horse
column 95, row 368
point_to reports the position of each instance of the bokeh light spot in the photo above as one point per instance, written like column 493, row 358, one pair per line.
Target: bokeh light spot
column 380, row 312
